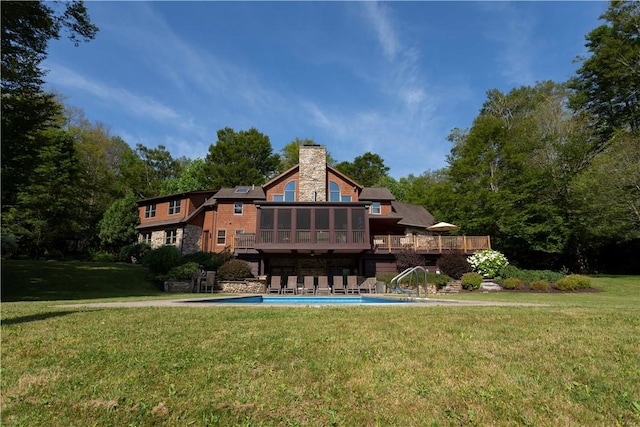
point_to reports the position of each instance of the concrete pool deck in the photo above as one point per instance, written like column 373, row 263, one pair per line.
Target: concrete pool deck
column 201, row 302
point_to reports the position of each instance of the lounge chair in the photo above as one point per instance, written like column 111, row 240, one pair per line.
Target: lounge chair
column 275, row 286
column 309, row 286
column 323, row 285
column 338, row 285
column 368, row 285
column 292, row 285
column 209, row 282
column 352, row 285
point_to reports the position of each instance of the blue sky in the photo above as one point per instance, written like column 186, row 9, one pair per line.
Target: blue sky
column 393, row 78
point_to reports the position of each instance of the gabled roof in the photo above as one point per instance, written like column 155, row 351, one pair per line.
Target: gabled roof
column 281, row 176
column 413, row 215
column 343, row 176
column 371, row 194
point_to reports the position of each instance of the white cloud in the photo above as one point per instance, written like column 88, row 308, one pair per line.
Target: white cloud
column 141, row 106
column 379, row 16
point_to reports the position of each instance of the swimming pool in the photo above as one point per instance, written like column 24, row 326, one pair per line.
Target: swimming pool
column 306, row 300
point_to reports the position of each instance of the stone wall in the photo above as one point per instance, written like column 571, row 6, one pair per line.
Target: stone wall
column 313, row 173
column 191, row 239
column 178, row 287
column 247, row 286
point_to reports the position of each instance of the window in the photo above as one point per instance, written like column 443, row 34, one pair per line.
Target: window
column 221, row 238
column 357, row 219
column 375, row 208
column 303, row 219
column 174, row 207
column 171, row 236
column 266, row 219
column 290, row 192
column 284, row 219
column 237, row 208
column 334, row 192
column 146, row 238
column 340, row 219
column 345, row 198
column 322, row 219
column 242, row 190
column 150, row 211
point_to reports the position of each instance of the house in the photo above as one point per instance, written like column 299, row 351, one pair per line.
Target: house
column 309, row 220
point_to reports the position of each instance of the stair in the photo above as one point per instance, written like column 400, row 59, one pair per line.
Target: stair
column 451, row 288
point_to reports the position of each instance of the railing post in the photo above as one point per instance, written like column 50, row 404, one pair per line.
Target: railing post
column 440, row 243
column 464, row 243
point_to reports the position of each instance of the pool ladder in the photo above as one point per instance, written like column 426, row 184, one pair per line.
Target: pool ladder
column 411, row 270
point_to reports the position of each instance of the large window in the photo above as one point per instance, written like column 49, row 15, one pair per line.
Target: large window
column 284, row 219
column 171, row 236
column 334, row 192
column 150, row 211
column 290, row 192
column 174, row 207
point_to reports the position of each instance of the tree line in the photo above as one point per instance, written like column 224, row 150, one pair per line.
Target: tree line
column 551, row 172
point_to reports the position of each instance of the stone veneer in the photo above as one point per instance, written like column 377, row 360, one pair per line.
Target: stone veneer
column 247, row 286
column 191, row 239
column 313, row 173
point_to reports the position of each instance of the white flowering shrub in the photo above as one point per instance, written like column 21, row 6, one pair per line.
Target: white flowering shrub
column 488, row 262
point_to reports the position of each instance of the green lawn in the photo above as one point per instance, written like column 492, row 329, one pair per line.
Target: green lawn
column 574, row 362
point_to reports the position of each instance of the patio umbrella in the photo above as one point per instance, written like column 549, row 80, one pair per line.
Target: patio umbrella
column 443, row 226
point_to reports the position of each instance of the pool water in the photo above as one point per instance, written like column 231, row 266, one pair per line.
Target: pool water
column 306, row 300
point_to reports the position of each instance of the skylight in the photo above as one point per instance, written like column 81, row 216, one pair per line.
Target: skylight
column 242, row 190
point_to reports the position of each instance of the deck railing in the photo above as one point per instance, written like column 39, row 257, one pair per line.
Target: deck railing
column 381, row 243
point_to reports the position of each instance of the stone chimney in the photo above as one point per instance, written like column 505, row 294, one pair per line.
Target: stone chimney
column 313, row 173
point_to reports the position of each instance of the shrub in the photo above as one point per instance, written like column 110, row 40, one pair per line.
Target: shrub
column 102, row 257
column 454, row 265
column 408, row 259
column 440, row 280
column 182, row 272
column 488, row 262
column 512, row 283
column 207, row 260
column 134, row 253
column 161, row 260
column 584, row 282
column 529, row 276
column 234, row 269
column 471, row 281
column 540, row 285
column 573, row 282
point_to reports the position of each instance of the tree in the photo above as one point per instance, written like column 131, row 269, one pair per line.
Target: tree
column 368, row 169
column 27, row 28
column 607, row 86
column 146, row 170
column 193, row 178
column 241, row 158
column 118, row 224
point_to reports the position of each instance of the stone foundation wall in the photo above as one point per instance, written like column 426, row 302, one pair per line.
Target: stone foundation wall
column 178, row 287
column 247, row 286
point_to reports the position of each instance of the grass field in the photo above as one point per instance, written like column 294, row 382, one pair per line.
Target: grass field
column 574, row 362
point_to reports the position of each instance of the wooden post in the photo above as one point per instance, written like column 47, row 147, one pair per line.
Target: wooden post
column 464, row 243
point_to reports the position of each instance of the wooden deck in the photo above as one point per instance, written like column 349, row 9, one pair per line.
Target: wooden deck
column 391, row 243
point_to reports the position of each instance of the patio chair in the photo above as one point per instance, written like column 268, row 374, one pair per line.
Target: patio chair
column 309, row 286
column 292, row 285
column 209, row 282
column 338, row 285
column 368, row 285
column 323, row 285
column 275, row 285
column 352, row 285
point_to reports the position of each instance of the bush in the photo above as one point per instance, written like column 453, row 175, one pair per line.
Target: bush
column 160, row 261
column 440, row 280
column 573, row 282
column 540, row 285
column 471, row 281
column 134, row 253
column 529, row 276
column 234, row 269
column 182, row 272
column 408, row 259
column 102, row 257
column 454, row 265
column 488, row 262
column 210, row 261
column 512, row 283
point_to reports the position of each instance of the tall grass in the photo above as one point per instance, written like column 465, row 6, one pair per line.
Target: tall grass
column 574, row 362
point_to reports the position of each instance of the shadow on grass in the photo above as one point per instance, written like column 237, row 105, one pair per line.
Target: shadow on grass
column 73, row 280
column 35, row 317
